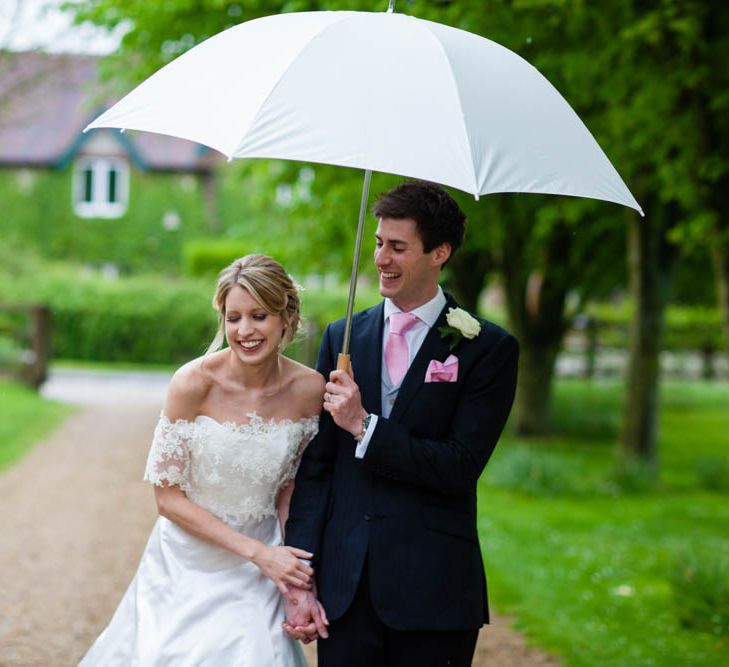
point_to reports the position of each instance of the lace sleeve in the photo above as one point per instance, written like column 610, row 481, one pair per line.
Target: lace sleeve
column 169, row 455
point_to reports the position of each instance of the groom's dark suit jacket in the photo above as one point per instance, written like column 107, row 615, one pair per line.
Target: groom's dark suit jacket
column 409, row 506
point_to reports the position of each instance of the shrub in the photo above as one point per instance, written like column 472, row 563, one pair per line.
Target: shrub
column 536, row 473
column 635, row 476
column 713, row 473
column 14, row 328
column 700, row 587
column 208, row 258
column 10, row 353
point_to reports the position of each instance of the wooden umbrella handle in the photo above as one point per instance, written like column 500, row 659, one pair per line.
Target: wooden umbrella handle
column 344, row 363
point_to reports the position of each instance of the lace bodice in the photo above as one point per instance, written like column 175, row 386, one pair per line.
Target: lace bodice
column 232, row 470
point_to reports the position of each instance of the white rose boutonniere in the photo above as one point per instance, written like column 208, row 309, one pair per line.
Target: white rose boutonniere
column 460, row 325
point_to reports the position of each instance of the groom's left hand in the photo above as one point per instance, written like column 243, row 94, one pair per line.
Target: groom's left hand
column 343, row 401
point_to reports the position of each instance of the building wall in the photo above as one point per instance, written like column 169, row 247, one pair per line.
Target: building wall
column 164, row 211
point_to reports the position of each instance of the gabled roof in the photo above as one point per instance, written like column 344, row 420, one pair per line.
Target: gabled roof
column 47, row 99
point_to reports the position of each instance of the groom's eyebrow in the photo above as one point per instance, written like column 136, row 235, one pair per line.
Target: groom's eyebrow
column 391, row 241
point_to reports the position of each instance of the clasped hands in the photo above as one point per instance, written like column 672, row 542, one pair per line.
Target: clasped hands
column 305, row 616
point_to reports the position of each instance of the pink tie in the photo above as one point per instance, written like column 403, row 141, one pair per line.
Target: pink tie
column 396, row 347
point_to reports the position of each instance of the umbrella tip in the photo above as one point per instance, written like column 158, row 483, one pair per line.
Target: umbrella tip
column 391, row 7
column 121, row 130
column 476, row 196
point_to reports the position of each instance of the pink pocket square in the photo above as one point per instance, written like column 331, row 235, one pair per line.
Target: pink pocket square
column 442, row 371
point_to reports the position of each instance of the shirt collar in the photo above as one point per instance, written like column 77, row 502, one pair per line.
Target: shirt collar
column 429, row 312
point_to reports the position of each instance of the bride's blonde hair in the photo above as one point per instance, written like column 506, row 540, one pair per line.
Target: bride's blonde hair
column 269, row 284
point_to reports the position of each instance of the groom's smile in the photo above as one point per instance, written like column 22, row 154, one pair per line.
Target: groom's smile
column 407, row 275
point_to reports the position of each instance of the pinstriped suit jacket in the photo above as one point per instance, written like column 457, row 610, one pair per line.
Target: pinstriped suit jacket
column 409, row 506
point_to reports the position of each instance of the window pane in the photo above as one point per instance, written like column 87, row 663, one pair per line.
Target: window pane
column 112, row 196
column 88, row 185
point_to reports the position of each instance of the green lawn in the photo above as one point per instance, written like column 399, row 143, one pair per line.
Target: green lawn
column 586, row 566
column 24, row 418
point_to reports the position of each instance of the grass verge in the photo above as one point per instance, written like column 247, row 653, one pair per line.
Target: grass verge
column 25, row 418
column 588, row 568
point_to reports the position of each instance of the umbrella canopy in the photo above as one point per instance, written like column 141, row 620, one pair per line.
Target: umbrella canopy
column 378, row 91
column 381, row 92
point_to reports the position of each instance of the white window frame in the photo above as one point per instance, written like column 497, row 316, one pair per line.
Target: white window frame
column 100, row 206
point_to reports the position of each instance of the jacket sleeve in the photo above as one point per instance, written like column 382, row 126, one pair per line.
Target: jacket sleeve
column 454, row 464
column 312, row 487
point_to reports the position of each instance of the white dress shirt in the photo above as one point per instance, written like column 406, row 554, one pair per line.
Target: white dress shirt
column 428, row 314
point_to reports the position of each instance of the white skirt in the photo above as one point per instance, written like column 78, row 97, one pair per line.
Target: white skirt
column 192, row 604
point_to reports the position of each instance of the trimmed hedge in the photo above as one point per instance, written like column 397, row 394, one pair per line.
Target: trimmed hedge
column 135, row 319
column 148, row 319
column 207, row 258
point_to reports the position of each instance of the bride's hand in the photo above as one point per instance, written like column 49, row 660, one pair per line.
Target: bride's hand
column 282, row 565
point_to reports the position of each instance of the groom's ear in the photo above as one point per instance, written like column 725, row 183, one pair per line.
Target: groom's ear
column 441, row 254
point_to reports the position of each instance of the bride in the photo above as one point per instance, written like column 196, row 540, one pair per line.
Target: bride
column 208, row 590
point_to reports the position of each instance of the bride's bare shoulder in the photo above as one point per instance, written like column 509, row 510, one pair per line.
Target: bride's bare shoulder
column 307, row 385
column 189, row 387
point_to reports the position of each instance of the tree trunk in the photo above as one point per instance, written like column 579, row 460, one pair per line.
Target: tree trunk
column 536, row 306
column 721, row 262
column 467, row 275
column 532, row 406
column 650, row 259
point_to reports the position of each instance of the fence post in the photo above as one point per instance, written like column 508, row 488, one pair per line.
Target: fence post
column 708, row 370
column 35, row 372
column 590, row 347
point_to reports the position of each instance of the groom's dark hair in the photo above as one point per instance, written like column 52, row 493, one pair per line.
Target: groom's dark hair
column 436, row 214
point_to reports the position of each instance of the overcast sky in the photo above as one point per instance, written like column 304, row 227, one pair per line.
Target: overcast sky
column 39, row 24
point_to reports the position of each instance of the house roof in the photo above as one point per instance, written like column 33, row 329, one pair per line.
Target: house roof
column 47, row 99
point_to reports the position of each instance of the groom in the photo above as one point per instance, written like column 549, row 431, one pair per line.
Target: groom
column 385, row 496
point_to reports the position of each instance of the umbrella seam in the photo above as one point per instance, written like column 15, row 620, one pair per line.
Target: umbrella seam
column 285, row 71
column 424, row 26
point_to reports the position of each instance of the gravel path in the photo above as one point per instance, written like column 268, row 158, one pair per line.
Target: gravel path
column 74, row 519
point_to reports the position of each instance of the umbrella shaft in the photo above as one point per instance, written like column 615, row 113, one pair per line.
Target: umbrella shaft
column 355, row 260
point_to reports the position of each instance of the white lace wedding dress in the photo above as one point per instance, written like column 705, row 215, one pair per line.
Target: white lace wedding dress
column 192, row 604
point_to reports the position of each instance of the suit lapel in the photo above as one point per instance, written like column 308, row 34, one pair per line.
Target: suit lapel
column 433, row 347
column 366, row 350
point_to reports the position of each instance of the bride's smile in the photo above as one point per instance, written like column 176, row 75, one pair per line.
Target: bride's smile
column 251, row 331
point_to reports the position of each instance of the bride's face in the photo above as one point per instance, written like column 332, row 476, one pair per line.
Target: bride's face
column 252, row 332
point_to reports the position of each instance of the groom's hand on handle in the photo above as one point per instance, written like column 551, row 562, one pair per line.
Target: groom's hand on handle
column 343, row 401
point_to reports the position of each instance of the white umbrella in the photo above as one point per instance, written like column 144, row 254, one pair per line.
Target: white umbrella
column 378, row 91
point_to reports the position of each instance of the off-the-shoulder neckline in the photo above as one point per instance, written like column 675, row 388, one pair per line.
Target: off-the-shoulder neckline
column 254, row 421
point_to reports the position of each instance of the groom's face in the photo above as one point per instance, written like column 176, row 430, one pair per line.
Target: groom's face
column 407, row 275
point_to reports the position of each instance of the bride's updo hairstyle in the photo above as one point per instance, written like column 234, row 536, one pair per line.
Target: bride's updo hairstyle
column 271, row 287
